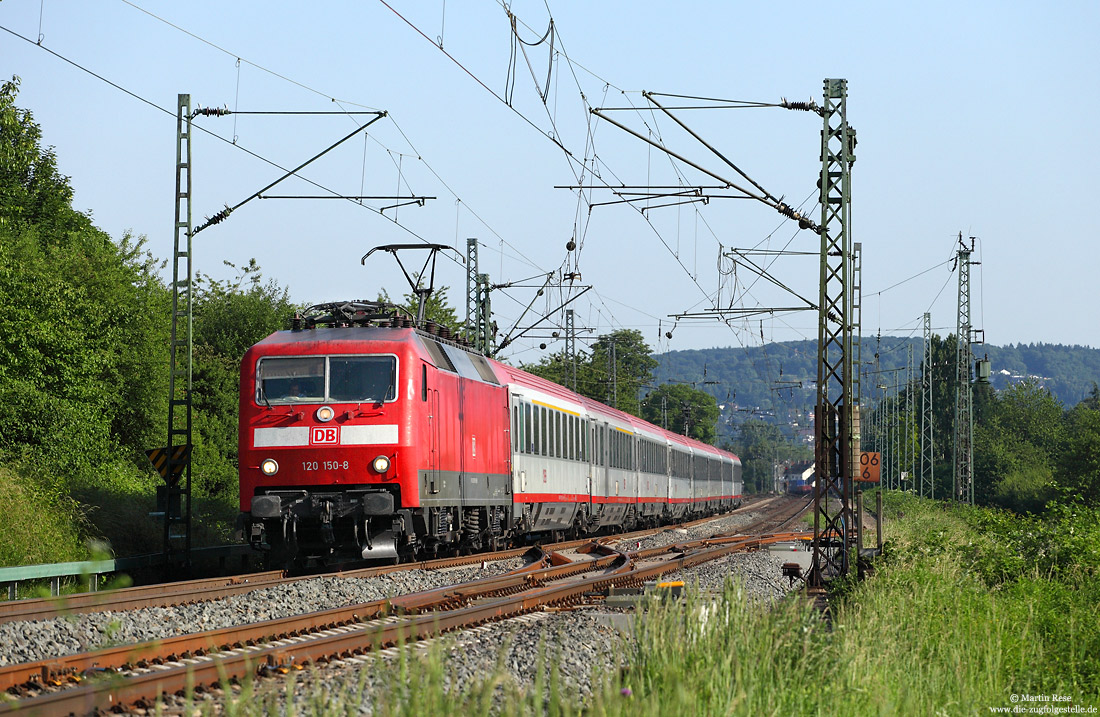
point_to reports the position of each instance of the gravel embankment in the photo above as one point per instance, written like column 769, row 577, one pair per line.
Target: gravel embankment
column 40, row 639
column 760, row 572
column 718, row 526
column 577, row 645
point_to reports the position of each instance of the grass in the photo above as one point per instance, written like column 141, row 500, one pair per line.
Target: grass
column 47, row 522
column 40, row 525
column 941, row 629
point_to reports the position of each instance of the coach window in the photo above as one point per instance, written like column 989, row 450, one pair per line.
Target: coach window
column 529, row 446
column 521, row 427
column 544, row 439
column 559, row 435
column 555, row 434
column 516, row 441
column 533, row 420
column 564, row 434
column 536, row 432
column 572, row 438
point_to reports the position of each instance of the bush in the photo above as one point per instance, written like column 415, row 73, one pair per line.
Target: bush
column 41, row 525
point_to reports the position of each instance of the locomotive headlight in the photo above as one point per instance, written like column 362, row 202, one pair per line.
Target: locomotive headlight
column 381, row 464
column 325, row 414
column 269, row 467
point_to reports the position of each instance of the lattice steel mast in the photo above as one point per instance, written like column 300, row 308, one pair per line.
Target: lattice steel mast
column 910, row 421
column 571, row 347
column 964, row 391
column 479, row 331
column 471, row 290
column 927, row 444
column 176, row 497
column 833, row 422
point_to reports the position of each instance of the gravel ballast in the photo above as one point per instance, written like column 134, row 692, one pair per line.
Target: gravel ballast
column 576, row 644
column 27, row 641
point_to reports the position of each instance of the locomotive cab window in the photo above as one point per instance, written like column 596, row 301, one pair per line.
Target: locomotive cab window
column 291, row 380
column 320, row 379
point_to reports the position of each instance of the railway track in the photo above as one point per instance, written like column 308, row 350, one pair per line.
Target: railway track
column 140, row 674
column 201, row 590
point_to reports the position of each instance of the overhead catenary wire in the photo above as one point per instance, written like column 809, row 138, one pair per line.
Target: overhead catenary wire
column 244, row 149
column 570, row 65
column 229, row 141
column 339, row 102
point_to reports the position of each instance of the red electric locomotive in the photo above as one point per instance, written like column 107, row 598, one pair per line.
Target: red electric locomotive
column 362, row 436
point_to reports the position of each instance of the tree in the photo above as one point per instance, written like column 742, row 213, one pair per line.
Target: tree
column 557, row 368
column 438, row 308
column 81, row 316
column 616, row 383
column 689, row 411
column 230, row 316
column 1079, row 468
column 622, row 361
column 82, row 364
column 759, row 447
column 34, row 193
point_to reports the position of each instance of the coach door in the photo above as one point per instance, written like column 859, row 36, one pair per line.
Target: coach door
column 590, row 449
column 603, row 472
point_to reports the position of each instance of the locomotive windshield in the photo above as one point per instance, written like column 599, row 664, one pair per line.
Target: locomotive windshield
column 322, row 379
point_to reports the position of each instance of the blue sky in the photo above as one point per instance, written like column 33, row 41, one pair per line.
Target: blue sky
column 972, row 117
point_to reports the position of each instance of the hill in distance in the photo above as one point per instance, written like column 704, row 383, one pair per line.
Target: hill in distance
column 776, row 382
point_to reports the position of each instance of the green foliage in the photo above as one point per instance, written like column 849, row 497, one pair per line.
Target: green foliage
column 41, row 525
column 438, row 308
column 230, row 316
column 760, row 446
column 83, row 367
column 617, row 382
column 84, row 348
column 34, row 194
column 689, row 411
column 1024, row 489
column 1079, row 467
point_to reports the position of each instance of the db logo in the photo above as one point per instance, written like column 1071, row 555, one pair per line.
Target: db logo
column 324, row 435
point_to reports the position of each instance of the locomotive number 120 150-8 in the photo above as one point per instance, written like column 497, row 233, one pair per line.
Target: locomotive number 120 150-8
column 324, row 465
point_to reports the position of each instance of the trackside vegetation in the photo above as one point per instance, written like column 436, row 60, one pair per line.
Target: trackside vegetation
column 83, row 368
column 969, row 607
